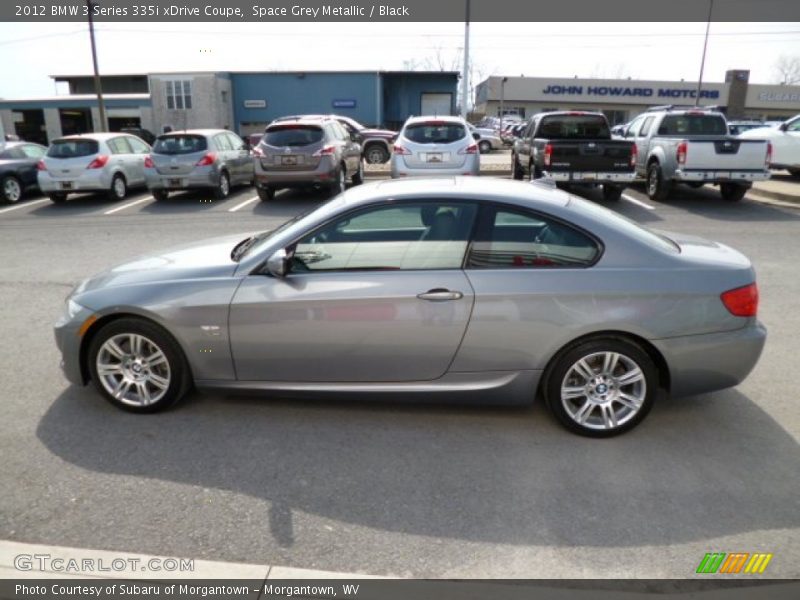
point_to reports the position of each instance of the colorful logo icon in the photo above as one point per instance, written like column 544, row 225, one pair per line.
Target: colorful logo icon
column 734, row 563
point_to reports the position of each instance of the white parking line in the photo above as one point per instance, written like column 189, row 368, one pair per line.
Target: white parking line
column 24, row 204
column 128, row 205
column 638, row 202
column 243, row 204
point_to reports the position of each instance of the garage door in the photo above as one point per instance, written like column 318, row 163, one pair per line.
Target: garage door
column 436, row 104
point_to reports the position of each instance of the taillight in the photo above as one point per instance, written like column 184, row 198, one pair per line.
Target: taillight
column 769, row 155
column 325, row 151
column 680, row 153
column 40, row 166
column 148, row 162
column 634, row 155
column 548, row 154
column 400, row 150
column 471, row 149
column 743, row 301
column 208, row 159
column 258, row 152
column 99, row 162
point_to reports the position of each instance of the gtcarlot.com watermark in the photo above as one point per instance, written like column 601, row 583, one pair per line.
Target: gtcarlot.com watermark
column 57, row 564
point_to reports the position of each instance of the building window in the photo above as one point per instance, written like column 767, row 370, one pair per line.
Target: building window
column 224, row 96
column 179, row 94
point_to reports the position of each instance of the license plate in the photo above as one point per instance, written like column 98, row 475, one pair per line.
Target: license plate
column 434, row 157
column 288, row 160
column 590, row 175
column 66, row 185
column 723, row 175
column 174, row 183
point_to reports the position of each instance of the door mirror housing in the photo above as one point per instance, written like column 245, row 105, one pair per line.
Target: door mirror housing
column 356, row 137
column 784, row 126
column 476, row 135
column 278, row 264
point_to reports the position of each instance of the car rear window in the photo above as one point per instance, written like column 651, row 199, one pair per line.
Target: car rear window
column 435, row 133
column 688, row 124
column 292, row 135
column 72, row 148
column 575, row 127
column 180, row 144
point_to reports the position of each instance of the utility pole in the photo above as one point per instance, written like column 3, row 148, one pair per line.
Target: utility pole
column 703, row 61
column 97, row 87
column 465, row 74
column 502, row 100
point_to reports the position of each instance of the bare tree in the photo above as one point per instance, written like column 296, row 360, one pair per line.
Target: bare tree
column 787, row 69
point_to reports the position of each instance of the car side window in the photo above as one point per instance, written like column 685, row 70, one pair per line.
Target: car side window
column 119, row 146
column 793, row 125
column 139, row 147
column 633, row 128
column 32, row 151
column 15, row 152
column 222, row 143
column 412, row 236
column 645, row 127
column 509, row 238
column 235, row 141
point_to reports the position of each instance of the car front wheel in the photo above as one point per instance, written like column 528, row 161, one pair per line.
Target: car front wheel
column 223, row 186
column 657, row 187
column 137, row 366
column 602, row 387
column 119, row 189
column 11, row 189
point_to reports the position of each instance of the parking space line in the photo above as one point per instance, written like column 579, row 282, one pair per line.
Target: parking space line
column 24, row 204
column 128, row 205
column 243, row 204
column 637, row 202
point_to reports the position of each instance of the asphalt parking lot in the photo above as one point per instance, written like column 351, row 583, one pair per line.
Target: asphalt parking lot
column 389, row 489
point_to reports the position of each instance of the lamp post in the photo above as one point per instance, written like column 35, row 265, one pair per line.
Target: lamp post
column 502, row 100
column 703, row 60
column 465, row 74
column 97, row 87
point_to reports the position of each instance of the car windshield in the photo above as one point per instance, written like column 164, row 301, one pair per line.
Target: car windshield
column 688, row 124
column 575, row 127
column 72, row 148
column 435, row 132
column 293, row 135
column 180, row 144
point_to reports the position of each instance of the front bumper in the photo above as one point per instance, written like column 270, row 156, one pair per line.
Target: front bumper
column 721, row 176
column 67, row 332
column 591, row 176
column 710, row 362
column 92, row 180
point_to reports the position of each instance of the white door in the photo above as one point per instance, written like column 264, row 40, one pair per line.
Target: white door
column 436, row 104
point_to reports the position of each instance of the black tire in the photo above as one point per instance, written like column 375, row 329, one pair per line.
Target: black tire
column 358, row 176
column 611, row 192
column 160, row 195
column 57, row 197
column 11, row 189
column 266, row 193
column 176, row 371
column 534, row 172
column 119, row 188
column 516, row 168
column 484, row 147
column 591, row 352
column 223, row 187
column 376, row 154
column 732, row 192
column 794, row 173
column 338, row 186
column 657, row 187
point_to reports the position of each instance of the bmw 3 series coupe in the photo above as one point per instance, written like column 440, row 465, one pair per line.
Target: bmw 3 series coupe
column 453, row 289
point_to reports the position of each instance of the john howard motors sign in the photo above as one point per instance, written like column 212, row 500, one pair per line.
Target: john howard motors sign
column 624, row 91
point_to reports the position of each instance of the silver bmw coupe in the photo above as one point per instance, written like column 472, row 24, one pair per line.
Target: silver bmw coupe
column 466, row 289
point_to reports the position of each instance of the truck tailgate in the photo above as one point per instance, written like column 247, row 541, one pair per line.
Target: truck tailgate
column 599, row 156
column 726, row 155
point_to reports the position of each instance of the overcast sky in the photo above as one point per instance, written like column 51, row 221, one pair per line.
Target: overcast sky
column 30, row 52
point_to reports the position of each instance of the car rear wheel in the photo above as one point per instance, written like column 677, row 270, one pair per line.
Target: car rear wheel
column 11, row 189
column 223, row 186
column 612, row 193
column 602, row 387
column 57, row 197
column 160, row 195
column 338, row 186
column 358, row 176
column 266, row 193
column 137, row 366
column 516, row 168
column 484, row 147
column 376, row 154
column 119, row 189
column 732, row 192
column 657, row 187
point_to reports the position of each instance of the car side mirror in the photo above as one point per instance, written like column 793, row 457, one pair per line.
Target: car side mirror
column 783, row 126
column 476, row 136
column 356, row 137
column 278, row 264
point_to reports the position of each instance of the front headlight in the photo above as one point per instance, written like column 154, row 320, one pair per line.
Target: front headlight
column 73, row 308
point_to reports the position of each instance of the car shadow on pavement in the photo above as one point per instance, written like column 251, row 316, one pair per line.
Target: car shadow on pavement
column 193, row 200
column 81, row 204
column 696, row 469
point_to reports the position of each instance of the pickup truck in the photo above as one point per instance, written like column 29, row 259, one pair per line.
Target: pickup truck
column 574, row 148
column 692, row 146
column 785, row 140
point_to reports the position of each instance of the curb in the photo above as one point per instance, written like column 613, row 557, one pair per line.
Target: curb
column 789, row 198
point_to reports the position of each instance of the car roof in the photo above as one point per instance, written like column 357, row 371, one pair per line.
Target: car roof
column 196, row 132
column 299, row 121
column 426, row 118
column 98, row 136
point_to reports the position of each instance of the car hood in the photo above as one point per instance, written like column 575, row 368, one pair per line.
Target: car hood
column 196, row 260
column 382, row 133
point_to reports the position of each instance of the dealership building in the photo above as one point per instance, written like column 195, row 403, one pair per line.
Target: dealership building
column 243, row 102
column 623, row 99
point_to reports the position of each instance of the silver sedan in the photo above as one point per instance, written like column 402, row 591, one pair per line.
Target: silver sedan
column 463, row 289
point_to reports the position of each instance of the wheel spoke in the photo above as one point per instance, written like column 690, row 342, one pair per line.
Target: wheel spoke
column 136, row 344
column 610, row 362
column 106, row 369
column 609, row 418
column 113, row 349
column 584, row 411
column 122, row 387
column 627, row 400
column 143, row 392
column 635, row 375
column 155, row 359
column 159, row 381
column 583, row 369
column 570, row 393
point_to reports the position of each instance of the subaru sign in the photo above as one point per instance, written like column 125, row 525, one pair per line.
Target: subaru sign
column 344, row 103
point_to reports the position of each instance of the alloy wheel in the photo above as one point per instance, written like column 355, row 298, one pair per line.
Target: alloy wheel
column 12, row 190
column 133, row 369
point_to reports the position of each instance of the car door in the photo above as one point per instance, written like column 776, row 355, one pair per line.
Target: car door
column 139, row 150
column 786, row 146
column 378, row 294
column 225, row 155
column 121, row 158
column 241, row 156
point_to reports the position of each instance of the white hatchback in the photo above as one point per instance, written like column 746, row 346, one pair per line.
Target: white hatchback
column 93, row 162
column 431, row 146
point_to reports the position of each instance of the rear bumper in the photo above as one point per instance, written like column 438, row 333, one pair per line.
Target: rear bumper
column 710, row 362
column 721, row 176
column 399, row 168
column 199, row 177
column 92, row 180
column 591, row 176
column 323, row 174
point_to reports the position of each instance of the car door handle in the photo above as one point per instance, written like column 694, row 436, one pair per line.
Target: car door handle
column 440, row 295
